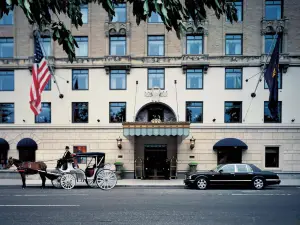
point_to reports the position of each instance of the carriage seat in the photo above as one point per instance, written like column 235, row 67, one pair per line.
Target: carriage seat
column 89, row 172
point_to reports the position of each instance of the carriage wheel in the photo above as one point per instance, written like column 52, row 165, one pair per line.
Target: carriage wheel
column 106, row 179
column 56, row 183
column 67, row 181
column 91, row 183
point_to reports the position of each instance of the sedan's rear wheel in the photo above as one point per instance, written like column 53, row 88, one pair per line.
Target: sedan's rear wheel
column 258, row 183
column 202, row 183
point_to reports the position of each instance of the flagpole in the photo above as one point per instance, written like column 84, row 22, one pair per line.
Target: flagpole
column 50, row 67
column 253, row 94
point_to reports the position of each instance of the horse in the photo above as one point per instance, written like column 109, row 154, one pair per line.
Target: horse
column 28, row 168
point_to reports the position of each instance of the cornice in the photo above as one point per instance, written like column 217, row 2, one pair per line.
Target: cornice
column 199, row 127
column 128, row 62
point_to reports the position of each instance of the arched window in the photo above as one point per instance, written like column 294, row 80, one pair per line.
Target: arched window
column 158, row 111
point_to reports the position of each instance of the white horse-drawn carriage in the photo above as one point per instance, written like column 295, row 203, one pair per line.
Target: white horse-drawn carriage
column 95, row 174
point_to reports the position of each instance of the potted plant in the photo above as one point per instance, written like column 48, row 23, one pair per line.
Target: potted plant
column 119, row 169
column 193, row 166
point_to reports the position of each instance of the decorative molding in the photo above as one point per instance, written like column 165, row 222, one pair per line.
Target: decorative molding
column 195, row 61
column 117, row 29
column 117, row 62
column 196, row 29
column 270, row 26
column 147, row 62
column 156, row 93
column 284, row 61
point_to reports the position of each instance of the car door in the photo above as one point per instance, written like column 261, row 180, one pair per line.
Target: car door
column 225, row 175
column 243, row 174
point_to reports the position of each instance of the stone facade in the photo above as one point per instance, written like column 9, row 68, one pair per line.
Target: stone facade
column 101, row 136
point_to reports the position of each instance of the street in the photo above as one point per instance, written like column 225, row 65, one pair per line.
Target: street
column 132, row 206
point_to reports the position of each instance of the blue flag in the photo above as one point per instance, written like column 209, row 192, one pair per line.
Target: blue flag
column 271, row 77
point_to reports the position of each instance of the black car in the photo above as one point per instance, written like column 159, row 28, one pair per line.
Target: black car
column 233, row 174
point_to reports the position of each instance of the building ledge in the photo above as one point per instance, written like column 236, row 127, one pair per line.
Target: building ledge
column 149, row 61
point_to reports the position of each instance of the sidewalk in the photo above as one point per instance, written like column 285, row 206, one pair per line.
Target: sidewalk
column 132, row 183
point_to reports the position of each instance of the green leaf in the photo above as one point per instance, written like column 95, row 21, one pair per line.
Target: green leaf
column 146, row 7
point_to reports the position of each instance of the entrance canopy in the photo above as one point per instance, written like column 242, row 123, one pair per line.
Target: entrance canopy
column 4, row 146
column 228, row 143
column 27, row 143
column 156, row 129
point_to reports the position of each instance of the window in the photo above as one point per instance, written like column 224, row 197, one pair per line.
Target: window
column 270, row 44
column 120, row 13
column 156, row 78
column 279, row 78
column 7, row 19
column 194, row 79
column 194, row 112
column 117, row 112
column 7, row 113
column 117, row 45
column 234, row 44
column 239, row 7
column 156, row 46
column 228, row 169
column 84, row 9
column 155, row 18
column 45, row 115
column 7, row 82
column 241, row 168
column 83, row 46
column 117, row 80
column 46, row 46
column 233, row 78
column 272, row 157
column 78, row 150
column 80, row 112
column 48, row 86
column 194, row 44
column 267, row 114
column 80, row 79
column 273, row 10
column 6, row 47
column 233, row 112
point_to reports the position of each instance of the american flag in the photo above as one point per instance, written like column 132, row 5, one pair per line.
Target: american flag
column 40, row 77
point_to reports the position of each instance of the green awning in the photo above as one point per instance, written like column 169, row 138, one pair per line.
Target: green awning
column 159, row 129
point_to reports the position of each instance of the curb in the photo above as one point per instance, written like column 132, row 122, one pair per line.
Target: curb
column 133, row 186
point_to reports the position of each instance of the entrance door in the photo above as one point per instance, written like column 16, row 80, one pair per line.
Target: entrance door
column 156, row 162
column 229, row 156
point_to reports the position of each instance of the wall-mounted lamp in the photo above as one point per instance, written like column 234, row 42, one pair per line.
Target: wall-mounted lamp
column 293, row 120
column 119, row 143
column 192, row 143
column 214, row 120
column 98, row 120
column 24, row 121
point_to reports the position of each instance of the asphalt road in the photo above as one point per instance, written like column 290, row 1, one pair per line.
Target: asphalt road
column 132, row 206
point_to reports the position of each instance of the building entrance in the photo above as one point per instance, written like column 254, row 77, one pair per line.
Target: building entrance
column 156, row 163
column 229, row 156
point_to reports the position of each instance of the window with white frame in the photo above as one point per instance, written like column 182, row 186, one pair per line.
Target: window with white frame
column 83, row 46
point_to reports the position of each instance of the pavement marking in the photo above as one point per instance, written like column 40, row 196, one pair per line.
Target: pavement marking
column 43, row 195
column 39, row 205
column 261, row 194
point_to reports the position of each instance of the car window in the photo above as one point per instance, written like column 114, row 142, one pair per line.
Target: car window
column 228, row 169
column 241, row 168
column 249, row 168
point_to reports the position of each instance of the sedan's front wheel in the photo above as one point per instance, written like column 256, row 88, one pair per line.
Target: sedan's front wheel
column 258, row 183
column 202, row 183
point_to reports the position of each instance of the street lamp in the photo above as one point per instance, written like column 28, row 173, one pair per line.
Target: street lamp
column 119, row 143
column 192, row 143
